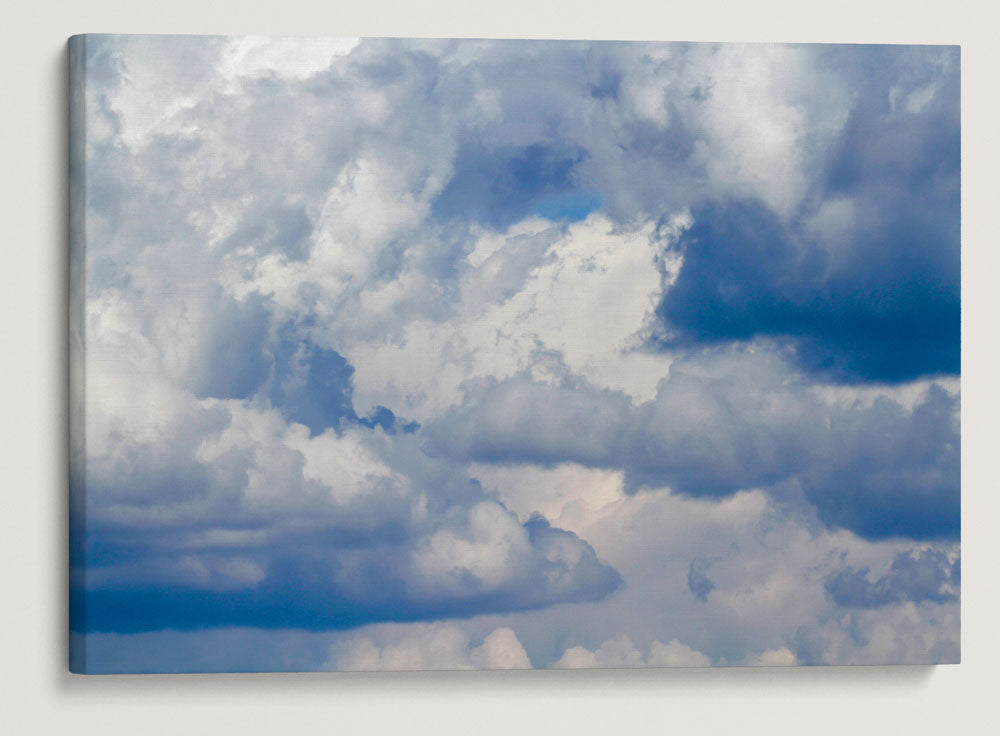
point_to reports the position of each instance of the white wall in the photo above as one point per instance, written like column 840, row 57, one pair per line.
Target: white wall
column 39, row 696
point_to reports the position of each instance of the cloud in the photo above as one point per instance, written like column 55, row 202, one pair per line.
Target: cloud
column 771, row 573
column 541, row 297
column 276, row 528
column 310, row 385
column 223, row 512
column 771, row 564
column 747, row 274
column 723, row 421
column 698, row 581
column 928, row 575
column 862, row 278
column 782, row 657
column 500, row 187
column 433, row 647
column 621, row 652
column 898, row 473
column 250, row 57
column 907, row 633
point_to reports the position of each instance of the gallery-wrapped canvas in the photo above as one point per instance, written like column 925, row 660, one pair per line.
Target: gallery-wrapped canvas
column 453, row 354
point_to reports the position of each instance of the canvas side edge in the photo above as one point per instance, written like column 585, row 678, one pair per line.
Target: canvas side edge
column 77, row 368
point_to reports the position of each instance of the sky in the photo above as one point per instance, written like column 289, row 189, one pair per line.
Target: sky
column 438, row 354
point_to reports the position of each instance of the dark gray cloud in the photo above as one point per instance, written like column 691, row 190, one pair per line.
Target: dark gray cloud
column 698, row 580
column 929, row 575
column 231, row 517
column 864, row 278
column 232, row 358
column 891, row 472
column 313, row 585
column 728, row 420
column 500, row 187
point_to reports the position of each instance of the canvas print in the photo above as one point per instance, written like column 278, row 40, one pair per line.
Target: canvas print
column 468, row 354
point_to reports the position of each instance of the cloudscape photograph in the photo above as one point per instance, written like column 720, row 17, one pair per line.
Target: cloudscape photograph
column 421, row 354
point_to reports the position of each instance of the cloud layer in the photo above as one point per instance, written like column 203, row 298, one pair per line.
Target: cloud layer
column 724, row 421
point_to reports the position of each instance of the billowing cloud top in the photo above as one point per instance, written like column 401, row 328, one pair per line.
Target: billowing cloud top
column 329, row 285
